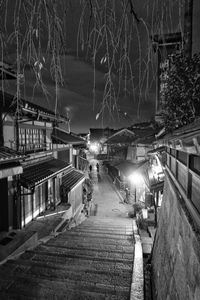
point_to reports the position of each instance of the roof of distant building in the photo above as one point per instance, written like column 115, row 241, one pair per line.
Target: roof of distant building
column 64, row 137
column 7, row 71
column 123, row 136
column 9, row 103
column 96, row 134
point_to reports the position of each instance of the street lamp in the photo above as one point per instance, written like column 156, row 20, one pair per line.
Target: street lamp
column 137, row 179
column 94, row 147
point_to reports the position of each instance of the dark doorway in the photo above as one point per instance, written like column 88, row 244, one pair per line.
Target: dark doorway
column 46, row 194
column 4, row 220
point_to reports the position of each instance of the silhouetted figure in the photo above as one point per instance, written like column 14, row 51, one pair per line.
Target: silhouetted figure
column 97, row 166
column 90, row 167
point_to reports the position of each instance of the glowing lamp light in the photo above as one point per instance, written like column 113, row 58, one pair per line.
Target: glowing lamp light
column 136, row 178
column 94, row 147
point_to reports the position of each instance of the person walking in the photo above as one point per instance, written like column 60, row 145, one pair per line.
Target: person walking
column 97, row 166
column 90, row 167
column 127, row 192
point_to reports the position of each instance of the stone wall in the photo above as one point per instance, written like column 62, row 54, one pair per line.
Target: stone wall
column 176, row 251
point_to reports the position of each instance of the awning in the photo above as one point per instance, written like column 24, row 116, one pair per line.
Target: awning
column 41, row 172
column 61, row 136
column 8, row 155
column 9, row 162
column 10, row 169
column 71, row 179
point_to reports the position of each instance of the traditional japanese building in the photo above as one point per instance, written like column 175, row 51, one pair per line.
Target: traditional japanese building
column 27, row 128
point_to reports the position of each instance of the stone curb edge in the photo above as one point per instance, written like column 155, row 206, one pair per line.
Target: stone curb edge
column 137, row 286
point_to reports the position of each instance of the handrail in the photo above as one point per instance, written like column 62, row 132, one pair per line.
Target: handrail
column 120, row 184
column 33, row 148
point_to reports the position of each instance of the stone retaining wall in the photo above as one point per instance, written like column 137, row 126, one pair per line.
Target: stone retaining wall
column 176, row 252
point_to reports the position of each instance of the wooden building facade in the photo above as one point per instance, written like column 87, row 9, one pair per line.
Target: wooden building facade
column 35, row 185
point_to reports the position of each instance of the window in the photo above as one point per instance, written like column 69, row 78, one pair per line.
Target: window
column 182, row 157
column 31, row 139
column 195, row 163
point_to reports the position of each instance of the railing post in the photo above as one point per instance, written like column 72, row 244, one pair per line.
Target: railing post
column 176, row 164
column 189, row 178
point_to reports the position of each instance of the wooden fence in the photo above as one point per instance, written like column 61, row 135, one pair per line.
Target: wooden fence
column 184, row 170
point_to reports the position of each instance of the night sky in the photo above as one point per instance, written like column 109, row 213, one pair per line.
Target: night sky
column 75, row 97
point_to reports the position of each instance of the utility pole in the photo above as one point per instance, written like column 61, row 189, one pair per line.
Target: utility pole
column 188, row 20
column 1, row 125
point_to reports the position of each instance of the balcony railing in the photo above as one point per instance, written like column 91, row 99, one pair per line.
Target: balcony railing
column 35, row 148
column 184, row 170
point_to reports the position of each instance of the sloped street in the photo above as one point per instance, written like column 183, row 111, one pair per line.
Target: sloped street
column 93, row 260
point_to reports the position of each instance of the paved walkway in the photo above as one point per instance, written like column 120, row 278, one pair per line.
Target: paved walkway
column 107, row 200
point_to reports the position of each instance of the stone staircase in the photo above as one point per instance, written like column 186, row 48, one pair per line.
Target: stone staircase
column 91, row 261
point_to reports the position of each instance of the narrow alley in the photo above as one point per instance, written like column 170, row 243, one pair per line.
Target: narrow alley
column 93, row 260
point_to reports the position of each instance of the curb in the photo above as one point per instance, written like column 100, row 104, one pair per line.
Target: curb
column 115, row 189
column 29, row 243
column 137, row 285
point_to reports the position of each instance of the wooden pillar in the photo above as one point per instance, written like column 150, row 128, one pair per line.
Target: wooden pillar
column 17, row 214
column 4, row 220
column 1, row 126
column 188, row 17
column 17, row 133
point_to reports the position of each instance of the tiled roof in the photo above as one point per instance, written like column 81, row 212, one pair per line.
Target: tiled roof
column 97, row 134
column 71, row 179
column 61, row 136
column 147, row 140
column 8, row 154
column 9, row 103
column 37, row 173
column 134, row 135
column 123, row 136
column 6, row 71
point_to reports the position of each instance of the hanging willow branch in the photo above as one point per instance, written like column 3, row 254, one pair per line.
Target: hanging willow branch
column 113, row 35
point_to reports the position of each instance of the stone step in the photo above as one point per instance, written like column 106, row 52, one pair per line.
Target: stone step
column 64, row 239
column 101, row 268
column 85, row 256
column 43, row 271
column 101, row 231
column 27, row 284
column 90, row 247
column 81, row 263
column 109, row 219
column 106, row 225
column 91, row 261
column 70, row 295
column 69, row 235
column 98, row 234
column 97, row 253
column 8, row 295
column 108, row 222
column 85, row 245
